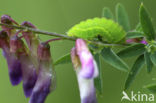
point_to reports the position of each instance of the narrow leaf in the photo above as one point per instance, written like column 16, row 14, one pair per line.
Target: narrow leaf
column 111, row 58
column 151, row 87
column 134, row 50
column 122, row 17
column 139, row 28
column 63, row 60
column 107, row 13
column 134, row 71
column 153, row 58
column 146, row 24
column 98, row 81
column 134, row 34
column 148, row 62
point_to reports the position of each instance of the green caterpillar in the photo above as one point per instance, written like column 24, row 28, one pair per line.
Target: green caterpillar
column 90, row 29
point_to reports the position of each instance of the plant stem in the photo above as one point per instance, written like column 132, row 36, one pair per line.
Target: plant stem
column 58, row 35
column 51, row 40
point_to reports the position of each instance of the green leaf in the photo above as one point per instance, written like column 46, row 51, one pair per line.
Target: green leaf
column 122, row 17
column 151, row 87
column 63, row 60
column 153, row 58
column 139, row 28
column 134, row 50
column 146, row 23
column 134, row 34
column 134, row 71
column 107, row 13
column 148, row 62
column 111, row 58
column 98, row 81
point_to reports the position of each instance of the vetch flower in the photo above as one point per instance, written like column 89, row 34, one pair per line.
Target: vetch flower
column 86, row 70
column 14, row 65
column 137, row 40
column 15, row 71
column 4, row 40
column 29, row 76
column 46, row 78
column 32, row 41
column 31, row 38
column 6, row 19
column 144, row 42
column 88, row 64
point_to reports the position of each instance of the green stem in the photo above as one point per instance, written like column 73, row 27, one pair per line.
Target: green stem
column 58, row 35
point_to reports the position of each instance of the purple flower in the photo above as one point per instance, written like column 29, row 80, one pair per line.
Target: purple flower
column 30, row 37
column 32, row 41
column 6, row 19
column 86, row 70
column 46, row 79
column 137, row 40
column 28, row 70
column 86, row 59
column 42, row 87
column 144, row 42
column 130, row 40
column 14, row 64
column 29, row 79
column 4, row 39
column 15, row 72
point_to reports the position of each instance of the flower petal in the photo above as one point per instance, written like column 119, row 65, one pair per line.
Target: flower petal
column 46, row 79
column 32, row 41
column 86, row 59
column 29, row 83
column 86, row 83
column 144, row 42
column 15, row 72
column 87, row 90
column 41, row 89
column 29, row 75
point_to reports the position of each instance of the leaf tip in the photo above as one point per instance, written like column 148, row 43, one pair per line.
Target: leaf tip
column 142, row 7
column 118, row 5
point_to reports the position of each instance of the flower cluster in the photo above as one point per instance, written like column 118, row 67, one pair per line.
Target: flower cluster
column 31, row 63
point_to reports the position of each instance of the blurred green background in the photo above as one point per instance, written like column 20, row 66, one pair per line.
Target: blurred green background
column 59, row 16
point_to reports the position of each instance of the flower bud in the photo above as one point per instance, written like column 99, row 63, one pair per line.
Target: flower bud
column 86, row 59
column 14, row 68
column 15, row 72
column 16, row 45
column 29, row 75
column 6, row 19
column 4, row 39
column 28, row 24
column 42, row 88
column 43, row 51
column 137, row 40
column 29, row 36
column 86, row 70
column 14, row 65
column 46, row 79
column 144, row 42
column 29, row 79
column 32, row 41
